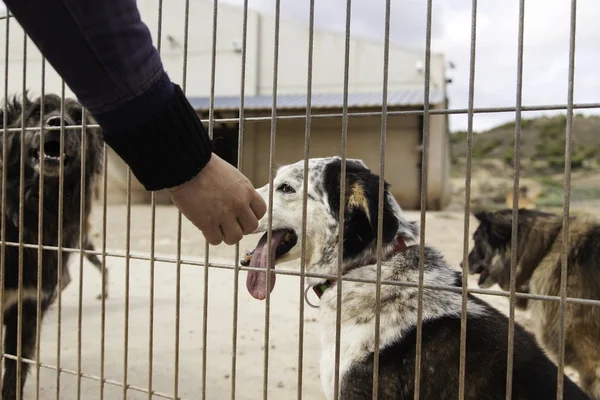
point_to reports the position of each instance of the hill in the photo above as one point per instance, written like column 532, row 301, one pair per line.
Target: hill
column 542, row 143
column 542, row 163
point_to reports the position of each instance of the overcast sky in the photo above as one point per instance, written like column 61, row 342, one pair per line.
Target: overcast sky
column 546, row 46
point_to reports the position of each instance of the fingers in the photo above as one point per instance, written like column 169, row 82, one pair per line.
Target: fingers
column 232, row 231
column 258, row 205
column 247, row 220
column 213, row 235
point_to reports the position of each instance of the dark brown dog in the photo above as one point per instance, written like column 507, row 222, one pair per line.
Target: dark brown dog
column 538, row 271
column 28, row 113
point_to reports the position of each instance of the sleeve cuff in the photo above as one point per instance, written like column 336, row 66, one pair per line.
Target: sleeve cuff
column 168, row 149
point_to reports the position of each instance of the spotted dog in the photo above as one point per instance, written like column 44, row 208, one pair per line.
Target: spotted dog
column 535, row 376
column 538, row 271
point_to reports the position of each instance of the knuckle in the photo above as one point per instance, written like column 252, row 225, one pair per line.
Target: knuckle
column 240, row 207
column 214, row 241
column 252, row 226
column 233, row 240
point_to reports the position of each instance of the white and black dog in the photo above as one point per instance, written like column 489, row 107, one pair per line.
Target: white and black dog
column 534, row 375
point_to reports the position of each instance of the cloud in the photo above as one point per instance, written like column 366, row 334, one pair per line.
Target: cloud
column 367, row 17
column 545, row 58
column 546, row 46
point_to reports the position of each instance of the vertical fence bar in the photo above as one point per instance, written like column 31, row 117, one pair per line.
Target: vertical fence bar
column 309, row 85
column 424, row 186
column 179, row 218
column 104, row 234
column 342, row 205
column 21, row 216
column 515, row 211
column 152, row 246
column 240, row 160
column 177, row 309
column 103, row 300
column 127, row 266
column 465, row 264
column 61, row 185
column 566, row 203
column 82, row 224
column 40, row 254
column 211, row 124
column 4, row 180
column 151, row 305
column 270, row 201
column 384, row 120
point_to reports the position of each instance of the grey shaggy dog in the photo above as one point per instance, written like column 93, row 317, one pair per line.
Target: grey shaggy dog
column 534, row 375
column 538, row 271
column 29, row 113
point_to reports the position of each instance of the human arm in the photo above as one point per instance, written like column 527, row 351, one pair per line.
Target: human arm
column 104, row 52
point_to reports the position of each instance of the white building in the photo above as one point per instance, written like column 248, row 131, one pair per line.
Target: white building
column 406, row 84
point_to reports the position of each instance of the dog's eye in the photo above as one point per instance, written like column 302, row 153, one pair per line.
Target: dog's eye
column 285, row 188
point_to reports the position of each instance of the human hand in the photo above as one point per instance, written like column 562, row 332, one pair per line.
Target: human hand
column 220, row 201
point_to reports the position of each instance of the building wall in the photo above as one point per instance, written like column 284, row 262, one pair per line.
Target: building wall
column 366, row 56
column 363, row 141
column 439, row 184
column 365, row 72
column 365, row 64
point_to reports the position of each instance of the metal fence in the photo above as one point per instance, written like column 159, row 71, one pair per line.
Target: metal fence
column 178, row 261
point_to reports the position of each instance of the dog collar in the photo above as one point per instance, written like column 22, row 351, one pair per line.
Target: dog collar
column 320, row 288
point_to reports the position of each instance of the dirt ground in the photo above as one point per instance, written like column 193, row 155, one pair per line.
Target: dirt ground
column 150, row 358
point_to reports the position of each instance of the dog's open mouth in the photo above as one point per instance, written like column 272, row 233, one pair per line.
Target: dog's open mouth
column 485, row 273
column 51, row 152
column 282, row 241
column 51, row 155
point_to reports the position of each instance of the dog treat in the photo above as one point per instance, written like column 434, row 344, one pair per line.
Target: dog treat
column 245, row 261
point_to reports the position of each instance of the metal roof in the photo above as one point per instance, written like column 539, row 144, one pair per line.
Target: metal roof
column 319, row 100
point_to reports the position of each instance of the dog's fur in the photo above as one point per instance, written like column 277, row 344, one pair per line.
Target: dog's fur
column 535, row 376
column 28, row 113
column 538, row 271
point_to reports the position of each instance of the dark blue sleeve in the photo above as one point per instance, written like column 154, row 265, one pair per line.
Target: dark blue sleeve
column 104, row 52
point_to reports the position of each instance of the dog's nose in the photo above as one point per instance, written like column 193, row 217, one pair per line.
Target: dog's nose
column 54, row 121
column 53, row 135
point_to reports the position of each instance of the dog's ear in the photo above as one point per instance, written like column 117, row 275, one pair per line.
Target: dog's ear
column 500, row 228
column 94, row 140
column 362, row 206
column 75, row 111
column 14, row 108
column 482, row 215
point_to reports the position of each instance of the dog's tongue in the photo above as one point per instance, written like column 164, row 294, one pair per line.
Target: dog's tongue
column 256, row 280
